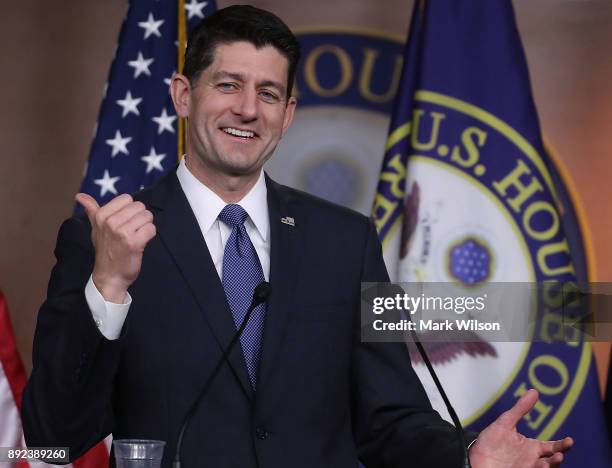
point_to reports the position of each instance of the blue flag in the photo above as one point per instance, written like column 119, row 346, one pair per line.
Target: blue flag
column 468, row 195
column 136, row 141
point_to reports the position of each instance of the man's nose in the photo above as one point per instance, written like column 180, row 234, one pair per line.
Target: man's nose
column 246, row 104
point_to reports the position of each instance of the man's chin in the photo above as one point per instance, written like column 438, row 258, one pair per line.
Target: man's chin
column 242, row 170
column 242, row 166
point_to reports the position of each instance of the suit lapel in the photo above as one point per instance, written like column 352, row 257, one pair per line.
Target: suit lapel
column 284, row 245
column 179, row 231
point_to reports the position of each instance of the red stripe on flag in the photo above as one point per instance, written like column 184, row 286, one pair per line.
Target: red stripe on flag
column 9, row 356
column 11, row 364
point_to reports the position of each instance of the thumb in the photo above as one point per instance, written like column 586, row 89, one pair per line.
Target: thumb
column 88, row 203
column 511, row 417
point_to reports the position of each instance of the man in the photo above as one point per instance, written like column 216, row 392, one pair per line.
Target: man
column 148, row 291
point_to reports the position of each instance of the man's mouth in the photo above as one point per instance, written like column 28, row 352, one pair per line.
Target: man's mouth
column 239, row 133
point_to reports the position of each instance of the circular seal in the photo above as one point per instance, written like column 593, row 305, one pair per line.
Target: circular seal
column 487, row 214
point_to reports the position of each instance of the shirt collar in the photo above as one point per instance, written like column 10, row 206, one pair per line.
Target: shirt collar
column 207, row 205
column 255, row 203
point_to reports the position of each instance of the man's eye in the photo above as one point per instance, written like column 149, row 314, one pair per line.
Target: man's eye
column 268, row 96
column 227, row 86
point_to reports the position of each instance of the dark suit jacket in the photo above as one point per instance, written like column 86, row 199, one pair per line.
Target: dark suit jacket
column 324, row 398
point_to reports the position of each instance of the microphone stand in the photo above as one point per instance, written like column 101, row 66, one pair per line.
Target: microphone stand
column 261, row 293
column 447, row 403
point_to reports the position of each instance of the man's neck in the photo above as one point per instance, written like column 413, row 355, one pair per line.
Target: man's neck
column 231, row 189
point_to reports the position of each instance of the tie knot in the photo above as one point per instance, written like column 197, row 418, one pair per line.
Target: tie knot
column 233, row 215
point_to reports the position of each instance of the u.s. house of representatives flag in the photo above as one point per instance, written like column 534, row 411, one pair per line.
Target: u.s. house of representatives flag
column 468, row 195
column 136, row 136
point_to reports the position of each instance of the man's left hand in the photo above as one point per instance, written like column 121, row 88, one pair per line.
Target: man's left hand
column 500, row 445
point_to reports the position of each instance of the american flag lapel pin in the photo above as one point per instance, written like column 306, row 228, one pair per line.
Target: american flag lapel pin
column 288, row 220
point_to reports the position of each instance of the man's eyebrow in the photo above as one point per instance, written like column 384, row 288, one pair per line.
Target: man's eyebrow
column 221, row 74
column 274, row 84
column 225, row 74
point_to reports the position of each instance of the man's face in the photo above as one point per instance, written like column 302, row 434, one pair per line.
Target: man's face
column 238, row 109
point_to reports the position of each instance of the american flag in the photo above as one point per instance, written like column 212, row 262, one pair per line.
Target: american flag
column 135, row 140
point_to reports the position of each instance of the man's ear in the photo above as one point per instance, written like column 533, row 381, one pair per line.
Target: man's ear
column 180, row 90
column 289, row 113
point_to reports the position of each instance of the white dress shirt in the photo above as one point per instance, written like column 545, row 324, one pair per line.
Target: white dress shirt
column 206, row 205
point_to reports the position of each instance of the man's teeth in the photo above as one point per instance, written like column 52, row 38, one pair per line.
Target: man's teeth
column 240, row 133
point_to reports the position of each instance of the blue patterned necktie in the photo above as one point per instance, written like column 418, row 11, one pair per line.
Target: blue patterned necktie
column 242, row 272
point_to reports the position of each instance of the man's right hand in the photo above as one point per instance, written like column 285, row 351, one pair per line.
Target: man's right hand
column 120, row 230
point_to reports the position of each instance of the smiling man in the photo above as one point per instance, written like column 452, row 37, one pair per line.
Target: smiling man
column 238, row 109
column 148, row 291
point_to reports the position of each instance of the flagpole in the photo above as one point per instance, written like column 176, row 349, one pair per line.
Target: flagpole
column 182, row 42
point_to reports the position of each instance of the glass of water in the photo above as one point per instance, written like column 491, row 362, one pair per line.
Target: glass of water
column 138, row 453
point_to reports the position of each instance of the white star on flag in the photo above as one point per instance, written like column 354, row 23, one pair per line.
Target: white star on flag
column 153, row 160
column 107, row 183
column 129, row 104
column 151, row 26
column 141, row 65
column 119, row 144
column 169, row 79
column 164, row 122
column 194, row 8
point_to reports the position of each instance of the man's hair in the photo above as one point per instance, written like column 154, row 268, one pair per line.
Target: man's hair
column 239, row 23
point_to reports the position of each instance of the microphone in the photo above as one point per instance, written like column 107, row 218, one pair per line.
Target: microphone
column 260, row 294
column 447, row 403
